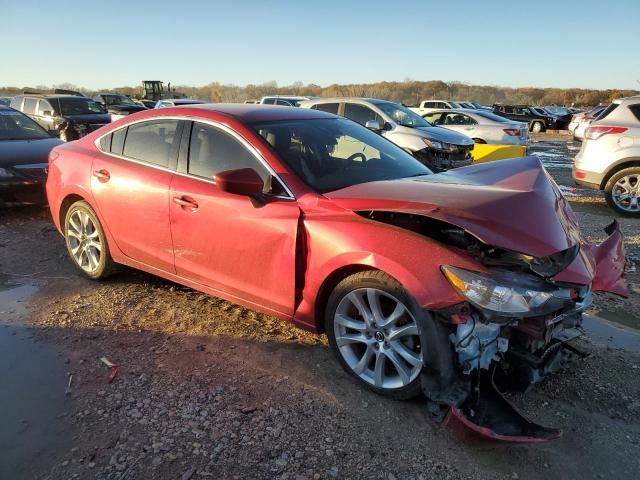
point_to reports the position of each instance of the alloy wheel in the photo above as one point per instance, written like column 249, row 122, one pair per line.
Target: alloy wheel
column 85, row 243
column 377, row 336
column 625, row 193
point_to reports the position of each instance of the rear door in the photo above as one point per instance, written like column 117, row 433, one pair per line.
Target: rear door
column 228, row 242
column 130, row 184
column 459, row 122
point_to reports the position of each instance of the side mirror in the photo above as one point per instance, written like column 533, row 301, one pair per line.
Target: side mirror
column 372, row 125
column 47, row 113
column 241, row 181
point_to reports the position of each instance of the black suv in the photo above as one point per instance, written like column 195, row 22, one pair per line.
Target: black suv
column 68, row 116
column 118, row 104
column 524, row 113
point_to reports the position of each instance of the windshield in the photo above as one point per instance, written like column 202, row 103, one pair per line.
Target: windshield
column 330, row 154
column 402, row 115
column 79, row 106
column 119, row 100
column 553, row 109
column 16, row 126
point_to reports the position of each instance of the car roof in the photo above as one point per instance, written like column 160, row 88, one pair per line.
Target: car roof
column 250, row 113
column 178, row 100
column 345, row 99
column 50, row 95
column 628, row 100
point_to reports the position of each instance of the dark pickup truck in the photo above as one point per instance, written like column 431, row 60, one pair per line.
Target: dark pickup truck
column 524, row 113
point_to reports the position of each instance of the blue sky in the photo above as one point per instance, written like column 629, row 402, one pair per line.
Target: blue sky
column 100, row 44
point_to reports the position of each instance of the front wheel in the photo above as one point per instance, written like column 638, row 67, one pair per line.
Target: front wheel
column 622, row 192
column 373, row 333
column 86, row 242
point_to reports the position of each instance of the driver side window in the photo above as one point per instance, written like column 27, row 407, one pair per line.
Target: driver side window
column 212, row 150
column 361, row 114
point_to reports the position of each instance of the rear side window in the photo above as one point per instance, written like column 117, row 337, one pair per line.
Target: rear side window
column 117, row 141
column 327, row 107
column 152, row 142
column 607, row 111
column 114, row 141
column 212, row 150
column 635, row 109
column 284, row 103
column 29, row 106
column 269, row 101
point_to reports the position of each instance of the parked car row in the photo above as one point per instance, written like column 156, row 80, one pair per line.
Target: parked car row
column 581, row 121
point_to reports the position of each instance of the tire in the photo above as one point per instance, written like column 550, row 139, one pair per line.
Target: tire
column 360, row 358
column 478, row 140
column 623, row 190
column 537, row 127
column 86, row 242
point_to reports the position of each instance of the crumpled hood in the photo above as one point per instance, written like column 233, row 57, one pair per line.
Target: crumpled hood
column 512, row 204
column 443, row 135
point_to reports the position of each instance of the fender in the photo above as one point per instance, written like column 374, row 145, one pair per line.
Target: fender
column 377, row 246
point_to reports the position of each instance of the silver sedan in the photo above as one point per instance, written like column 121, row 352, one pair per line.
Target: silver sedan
column 481, row 126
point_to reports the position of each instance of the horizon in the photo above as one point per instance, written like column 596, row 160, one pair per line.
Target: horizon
column 251, row 43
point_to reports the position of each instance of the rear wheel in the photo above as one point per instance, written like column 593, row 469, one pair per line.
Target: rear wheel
column 86, row 242
column 537, row 127
column 622, row 192
column 373, row 333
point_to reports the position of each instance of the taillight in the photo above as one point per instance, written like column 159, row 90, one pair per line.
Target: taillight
column 512, row 132
column 595, row 132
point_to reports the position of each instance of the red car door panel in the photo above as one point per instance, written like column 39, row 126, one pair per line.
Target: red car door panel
column 134, row 203
column 231, row 245
column 132, row 193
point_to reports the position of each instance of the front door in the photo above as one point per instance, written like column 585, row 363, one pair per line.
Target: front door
column 242, row 248
column 130, row 184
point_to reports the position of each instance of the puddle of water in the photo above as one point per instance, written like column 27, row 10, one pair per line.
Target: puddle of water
column 605, row 332
column 33, row 377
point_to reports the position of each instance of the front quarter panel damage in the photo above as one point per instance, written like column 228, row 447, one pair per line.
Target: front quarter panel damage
column 347, row 240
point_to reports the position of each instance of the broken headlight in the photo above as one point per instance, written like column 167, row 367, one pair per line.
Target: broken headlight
column 507, row 294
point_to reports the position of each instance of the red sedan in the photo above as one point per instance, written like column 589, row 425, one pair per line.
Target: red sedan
column 422, row 282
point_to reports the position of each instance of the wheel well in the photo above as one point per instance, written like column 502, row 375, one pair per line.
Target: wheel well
column 616, row 168
column 327, row 287
column 66, row 204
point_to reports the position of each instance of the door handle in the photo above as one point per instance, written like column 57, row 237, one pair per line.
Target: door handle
column 186, row 203
column 102, row 175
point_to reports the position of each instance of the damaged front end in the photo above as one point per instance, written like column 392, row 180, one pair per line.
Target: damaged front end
column 520, row 304
column 513, row 329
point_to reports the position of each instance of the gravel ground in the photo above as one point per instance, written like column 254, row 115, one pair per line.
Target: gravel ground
column 207, row 389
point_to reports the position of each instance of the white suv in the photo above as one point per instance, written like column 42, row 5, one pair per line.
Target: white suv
column 609, row 159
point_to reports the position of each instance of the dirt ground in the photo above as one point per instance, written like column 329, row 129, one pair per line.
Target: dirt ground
column 207, row 389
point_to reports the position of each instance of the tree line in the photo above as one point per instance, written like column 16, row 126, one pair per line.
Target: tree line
column 409, row 92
